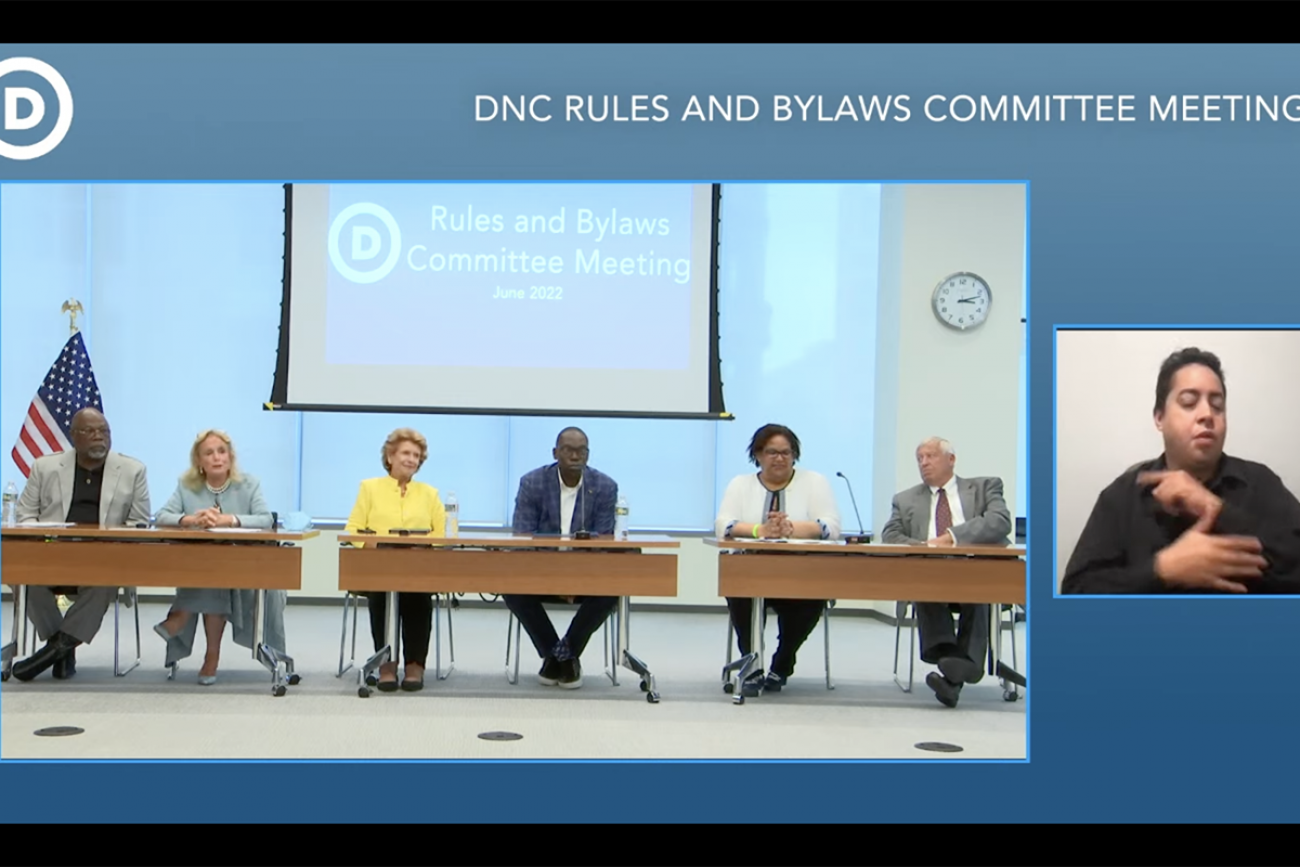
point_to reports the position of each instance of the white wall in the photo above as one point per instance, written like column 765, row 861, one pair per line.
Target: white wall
column 1105, row 398
column 930, row 379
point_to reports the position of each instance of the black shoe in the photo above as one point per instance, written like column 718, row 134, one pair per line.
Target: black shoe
column 570, row 674
column 552, row 671
column 959, row 669
column 386, row 685
column 944, row 690
column 58, row 647
column 66, row 667
column 753, row 685
column 774, row 682
column 413, row 684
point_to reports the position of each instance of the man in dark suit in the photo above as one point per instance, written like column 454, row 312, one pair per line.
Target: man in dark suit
column 947, row 511
column 564, row 498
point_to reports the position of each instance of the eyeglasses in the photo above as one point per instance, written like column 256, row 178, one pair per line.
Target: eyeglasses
column 773, row 453
column 90, row 431
column 569, row 450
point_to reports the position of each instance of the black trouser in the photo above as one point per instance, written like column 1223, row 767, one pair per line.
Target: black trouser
column 591, row 613
column 415, row 617
column 796, row 619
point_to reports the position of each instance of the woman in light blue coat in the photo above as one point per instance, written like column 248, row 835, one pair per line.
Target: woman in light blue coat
column 213, row 495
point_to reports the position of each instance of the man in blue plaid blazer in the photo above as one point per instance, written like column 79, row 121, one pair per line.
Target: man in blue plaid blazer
column 564, row 498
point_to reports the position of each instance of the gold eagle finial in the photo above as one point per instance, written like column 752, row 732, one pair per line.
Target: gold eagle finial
column 73, row 307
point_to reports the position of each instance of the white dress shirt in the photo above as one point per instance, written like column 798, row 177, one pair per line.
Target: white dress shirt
column 954, row 505
column 568, row 501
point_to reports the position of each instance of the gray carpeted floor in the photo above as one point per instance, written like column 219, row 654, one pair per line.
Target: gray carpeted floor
column 145, row 716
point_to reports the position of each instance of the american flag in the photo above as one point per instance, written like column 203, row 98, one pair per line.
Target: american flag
column 68, row 388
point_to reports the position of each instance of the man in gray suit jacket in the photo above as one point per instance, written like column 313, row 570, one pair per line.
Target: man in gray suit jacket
column 945, row 511
column 89, row 485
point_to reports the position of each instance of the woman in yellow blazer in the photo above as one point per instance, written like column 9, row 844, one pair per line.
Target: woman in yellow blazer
column 397, row 502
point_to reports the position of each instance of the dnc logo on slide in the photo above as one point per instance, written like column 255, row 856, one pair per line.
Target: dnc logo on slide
column 16, row 96
column 365, row 243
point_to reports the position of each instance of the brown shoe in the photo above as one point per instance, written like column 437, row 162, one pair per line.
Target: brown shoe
column 413, row 677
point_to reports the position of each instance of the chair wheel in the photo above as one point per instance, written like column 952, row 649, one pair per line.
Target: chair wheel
column 295, row 679
column 279, row 691
column 363, row 692
column 652, row 697
column 1009, row 695
column 740, row 699
column 728, row 687
column 645, row 687
column 4, row 677
column 372, row 680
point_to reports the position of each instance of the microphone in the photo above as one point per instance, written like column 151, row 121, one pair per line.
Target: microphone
column 582, row 510
column 862, row 537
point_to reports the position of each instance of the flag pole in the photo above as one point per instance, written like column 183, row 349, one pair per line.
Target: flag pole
column 72, row 307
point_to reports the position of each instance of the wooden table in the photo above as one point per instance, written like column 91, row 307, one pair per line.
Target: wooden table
column 500, row 564
column 92, row 556
column 973, row 574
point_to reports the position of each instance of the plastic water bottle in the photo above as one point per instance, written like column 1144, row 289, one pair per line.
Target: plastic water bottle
column 620, row 519
column 453, row 515
column 11, row 505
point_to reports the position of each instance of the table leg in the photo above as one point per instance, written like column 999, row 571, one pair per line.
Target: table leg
column 118, row 671
column 438, row 600
column 742, row 668
column 368, row 675
column 1005, row 673
column 995, row 634
column 355, row 600
column 628, row 660
column 10, row 650
column 279, row 664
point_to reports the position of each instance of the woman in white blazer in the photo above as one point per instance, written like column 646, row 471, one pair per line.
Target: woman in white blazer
column 777, row 502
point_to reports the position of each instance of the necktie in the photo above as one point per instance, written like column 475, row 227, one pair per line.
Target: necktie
column 942, row 514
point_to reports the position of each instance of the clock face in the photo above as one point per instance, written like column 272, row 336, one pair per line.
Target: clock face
column 962, row 301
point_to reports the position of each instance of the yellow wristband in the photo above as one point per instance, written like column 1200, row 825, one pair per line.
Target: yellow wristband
column 755, row 531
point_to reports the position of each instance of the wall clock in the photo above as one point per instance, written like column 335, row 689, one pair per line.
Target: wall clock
column 962, row 301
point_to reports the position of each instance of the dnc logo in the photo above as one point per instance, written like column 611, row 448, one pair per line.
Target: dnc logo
column 34, row 109
column 365, row 243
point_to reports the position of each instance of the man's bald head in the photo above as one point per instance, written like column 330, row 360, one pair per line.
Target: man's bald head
column 91, row 437
column 90, row 416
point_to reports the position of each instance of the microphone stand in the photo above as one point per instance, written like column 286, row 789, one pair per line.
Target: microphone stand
column 862, row 537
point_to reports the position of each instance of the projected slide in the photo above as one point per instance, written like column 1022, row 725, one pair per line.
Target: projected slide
column 544, row 273
column 512, row 297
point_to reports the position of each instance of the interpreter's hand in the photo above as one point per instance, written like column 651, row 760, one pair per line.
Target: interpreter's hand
column 1202, row 561
column 772, row 529
column 944, row 541
column 787, row 527
column 1181, row 494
